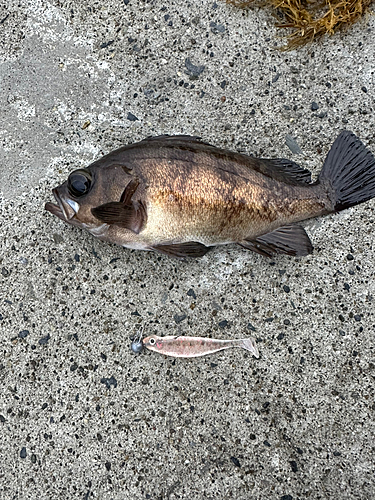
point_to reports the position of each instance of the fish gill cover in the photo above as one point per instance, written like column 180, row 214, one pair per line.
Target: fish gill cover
column 311, row 19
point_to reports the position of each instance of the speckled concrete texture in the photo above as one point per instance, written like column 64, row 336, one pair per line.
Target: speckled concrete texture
column 81, row 417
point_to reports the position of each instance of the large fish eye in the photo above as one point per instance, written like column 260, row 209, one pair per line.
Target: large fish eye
column 79, row 182
column 152, row 341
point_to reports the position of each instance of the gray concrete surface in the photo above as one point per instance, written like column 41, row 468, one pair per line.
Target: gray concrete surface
column 81, row 417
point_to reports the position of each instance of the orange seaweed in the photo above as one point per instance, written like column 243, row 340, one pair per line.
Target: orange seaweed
column 311, row 19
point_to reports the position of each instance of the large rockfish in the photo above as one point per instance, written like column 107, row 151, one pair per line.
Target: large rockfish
column 181, row 196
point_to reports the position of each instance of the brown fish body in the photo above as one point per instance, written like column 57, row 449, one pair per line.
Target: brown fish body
column 205, row 203
column 192, row 347
column 180, row 196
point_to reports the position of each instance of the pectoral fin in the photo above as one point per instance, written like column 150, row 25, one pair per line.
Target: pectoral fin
column 131, row 188
column 124, row 213
column 290, row 240
column 189, row 249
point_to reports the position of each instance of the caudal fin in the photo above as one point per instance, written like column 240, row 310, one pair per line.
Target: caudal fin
column 250, row 345
column 349, row 170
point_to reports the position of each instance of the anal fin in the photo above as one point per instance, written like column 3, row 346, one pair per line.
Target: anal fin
column 188, row 249
column 290, row 240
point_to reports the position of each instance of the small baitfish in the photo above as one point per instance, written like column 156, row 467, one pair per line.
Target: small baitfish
column 180, row 196
column 192, row 347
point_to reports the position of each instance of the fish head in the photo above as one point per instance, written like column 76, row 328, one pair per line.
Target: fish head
column 85, row 189
column 153, row 343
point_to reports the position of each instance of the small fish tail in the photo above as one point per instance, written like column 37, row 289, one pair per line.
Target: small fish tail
column 250, row 345
column 349, row 170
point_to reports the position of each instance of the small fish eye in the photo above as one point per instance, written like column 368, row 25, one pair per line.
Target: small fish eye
column 79, row 182
column 152, row 342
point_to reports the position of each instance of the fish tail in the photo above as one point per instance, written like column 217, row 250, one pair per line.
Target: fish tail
column 349, row 172
column 250, row 345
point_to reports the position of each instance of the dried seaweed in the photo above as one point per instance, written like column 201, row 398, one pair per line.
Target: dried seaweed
column 311, row 19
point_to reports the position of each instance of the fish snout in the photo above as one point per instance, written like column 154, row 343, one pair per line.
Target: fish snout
column 68, row 207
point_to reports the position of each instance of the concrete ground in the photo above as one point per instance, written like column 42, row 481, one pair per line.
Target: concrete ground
column 81, row 416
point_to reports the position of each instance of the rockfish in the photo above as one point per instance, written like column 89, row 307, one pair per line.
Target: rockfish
column 180, row 196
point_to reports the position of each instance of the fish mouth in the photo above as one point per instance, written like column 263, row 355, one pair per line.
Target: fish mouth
column 63, row 209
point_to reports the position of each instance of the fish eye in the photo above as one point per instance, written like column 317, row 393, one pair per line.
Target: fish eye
column 152, row 341
column 79, row 182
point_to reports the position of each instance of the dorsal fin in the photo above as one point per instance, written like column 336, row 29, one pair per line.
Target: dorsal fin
column 283, row 170
column 174, row 138
column 177, row 146
column 279, row 169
